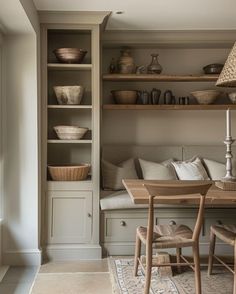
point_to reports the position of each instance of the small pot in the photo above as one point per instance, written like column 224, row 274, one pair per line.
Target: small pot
column 214, row 68
column 232, row 97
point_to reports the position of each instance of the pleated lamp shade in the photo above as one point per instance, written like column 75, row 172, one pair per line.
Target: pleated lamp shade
column 227, row 77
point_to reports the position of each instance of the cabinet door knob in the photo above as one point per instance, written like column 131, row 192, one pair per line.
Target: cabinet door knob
column 123, row 223
column 172, row 223
column 89, row 215
column 219, row 222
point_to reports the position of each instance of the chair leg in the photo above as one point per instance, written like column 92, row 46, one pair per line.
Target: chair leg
column 234, row 292
column 178, row 259
column 137, row 255
column 197, row 269
column 211, row 252
column 148, row 273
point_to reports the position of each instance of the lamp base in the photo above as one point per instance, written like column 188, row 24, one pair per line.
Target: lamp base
column 228, row 179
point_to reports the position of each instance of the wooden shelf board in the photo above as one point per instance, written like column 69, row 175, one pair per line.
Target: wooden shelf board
column 161, row 78
column 57, row 141
column 168, row 107
column 68, row 66
column 70, row 106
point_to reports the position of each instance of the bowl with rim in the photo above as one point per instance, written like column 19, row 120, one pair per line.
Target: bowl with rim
column 206, row 97
column 125, row 96
column 70, row 55
column 70, row 132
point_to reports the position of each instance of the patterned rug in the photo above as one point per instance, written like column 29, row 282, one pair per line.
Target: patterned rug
column 123, row 281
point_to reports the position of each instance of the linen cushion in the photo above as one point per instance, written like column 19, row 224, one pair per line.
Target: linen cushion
column 157, row 171
column 215, row 170
column 112, row 175
column 190, row 170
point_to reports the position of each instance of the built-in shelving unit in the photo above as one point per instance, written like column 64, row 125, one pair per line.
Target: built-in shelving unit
column 161, row 78
column 70, row 209
column 168, row 107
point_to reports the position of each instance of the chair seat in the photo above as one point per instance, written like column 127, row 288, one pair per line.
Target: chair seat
column 168, row 236
column 226, row 233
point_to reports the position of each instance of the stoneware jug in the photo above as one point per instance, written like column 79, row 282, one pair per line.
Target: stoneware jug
column 126, row 62
column 155, row 95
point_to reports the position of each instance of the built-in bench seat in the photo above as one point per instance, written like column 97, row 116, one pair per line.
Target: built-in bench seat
column 120, row 217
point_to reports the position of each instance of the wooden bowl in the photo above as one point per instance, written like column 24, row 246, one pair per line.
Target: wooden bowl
column 207, row 96
column 70, row 55
column 69, row 173
column 69, row 95
column 70, row 132
column 125, row 96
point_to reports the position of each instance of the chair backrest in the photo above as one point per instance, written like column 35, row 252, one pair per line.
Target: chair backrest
column 196, row 190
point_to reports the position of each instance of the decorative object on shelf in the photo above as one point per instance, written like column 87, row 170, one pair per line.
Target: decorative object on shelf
column 142, row 69
column 70, row 132
column 112, row 66
column 69, row 173
column 125, row 96
column 143, row 97
column 155, row 96
column 69, row 94
column 70, row 55
column 184, row 100
column 154, row 67
column 207, row 96
column 126, row 62
column 169, row 98
column 232, row 97
column 214, row 68
column 227, row 77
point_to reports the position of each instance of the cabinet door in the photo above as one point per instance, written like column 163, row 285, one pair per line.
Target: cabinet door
column 69, row 216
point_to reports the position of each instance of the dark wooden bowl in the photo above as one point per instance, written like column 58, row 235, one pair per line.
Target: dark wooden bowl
column 70, row 55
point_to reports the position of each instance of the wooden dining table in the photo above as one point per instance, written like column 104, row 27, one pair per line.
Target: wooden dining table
column 215, row 197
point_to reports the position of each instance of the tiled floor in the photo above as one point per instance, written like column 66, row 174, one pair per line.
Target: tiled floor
column 78, row 277
column 87, row 277
column 18, row 280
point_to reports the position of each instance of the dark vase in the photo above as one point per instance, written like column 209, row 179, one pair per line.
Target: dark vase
column 154, row 67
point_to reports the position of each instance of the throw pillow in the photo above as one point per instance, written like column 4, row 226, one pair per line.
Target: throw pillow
column 112, row 175
column 157, row 171
column 190, row 170
column 216, row 170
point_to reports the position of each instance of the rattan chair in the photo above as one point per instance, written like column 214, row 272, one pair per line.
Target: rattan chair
column 171, row 236
column 227, row 234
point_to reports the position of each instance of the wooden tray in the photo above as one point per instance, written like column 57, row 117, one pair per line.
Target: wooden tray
column 227, row 186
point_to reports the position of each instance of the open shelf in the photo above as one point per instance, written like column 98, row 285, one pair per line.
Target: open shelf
column 169, row 107
column 57, row 141
column 70, row 106
column 161, row 78
column 69, row 66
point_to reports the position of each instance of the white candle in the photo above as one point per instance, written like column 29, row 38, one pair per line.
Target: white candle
column 228, row 123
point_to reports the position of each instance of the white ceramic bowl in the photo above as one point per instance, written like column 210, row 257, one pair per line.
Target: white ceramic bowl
column 232, row 97
column 207, row 96
column 70, row 132
column 69, row 94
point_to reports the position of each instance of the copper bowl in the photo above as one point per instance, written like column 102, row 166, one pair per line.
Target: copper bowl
column 70, row 55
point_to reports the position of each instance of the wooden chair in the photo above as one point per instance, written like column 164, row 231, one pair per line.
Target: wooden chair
column 171, row 236
column 227, row 234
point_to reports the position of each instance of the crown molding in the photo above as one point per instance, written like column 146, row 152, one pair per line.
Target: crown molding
column 74, row 17
column 175, row 38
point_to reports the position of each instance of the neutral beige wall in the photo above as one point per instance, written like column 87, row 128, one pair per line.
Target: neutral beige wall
column 166, row 127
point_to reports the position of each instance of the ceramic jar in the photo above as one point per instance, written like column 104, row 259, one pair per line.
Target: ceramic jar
column 126, row 62
column 154, row 67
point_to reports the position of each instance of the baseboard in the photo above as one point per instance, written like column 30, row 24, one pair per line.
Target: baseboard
column 72, row 252
column 127, row 248
column 3, row 270
column 22, row 257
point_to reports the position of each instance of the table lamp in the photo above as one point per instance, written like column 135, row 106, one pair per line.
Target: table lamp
column 227, row 78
